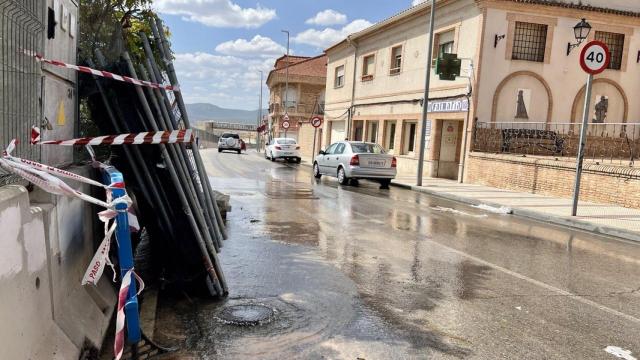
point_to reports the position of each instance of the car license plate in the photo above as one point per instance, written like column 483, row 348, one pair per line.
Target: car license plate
column 287, row 153
column 376, row 163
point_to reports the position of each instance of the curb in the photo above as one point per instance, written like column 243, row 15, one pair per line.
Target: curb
column 533, row 215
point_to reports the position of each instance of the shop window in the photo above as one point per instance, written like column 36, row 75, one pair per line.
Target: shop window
column 390, row 135
column 529, row 41
column 409, row 137
column 372, row 131
column 615, row 42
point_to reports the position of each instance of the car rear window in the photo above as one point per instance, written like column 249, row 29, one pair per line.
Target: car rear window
column 367, row 149
column 286, row 142
column 235, row 136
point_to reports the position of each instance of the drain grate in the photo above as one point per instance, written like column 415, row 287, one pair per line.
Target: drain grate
column 247, row 315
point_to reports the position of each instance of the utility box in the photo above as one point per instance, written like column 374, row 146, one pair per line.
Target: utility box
column 59, row 110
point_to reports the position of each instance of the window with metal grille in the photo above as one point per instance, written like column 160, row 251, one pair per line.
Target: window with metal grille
column 615, row 42
column 529, row 41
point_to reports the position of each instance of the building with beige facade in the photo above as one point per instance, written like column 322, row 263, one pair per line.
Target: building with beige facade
column 303, row 99
column 519, row 97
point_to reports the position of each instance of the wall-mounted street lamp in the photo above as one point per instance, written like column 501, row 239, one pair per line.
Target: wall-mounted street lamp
column 581, row 32
column 497, row 39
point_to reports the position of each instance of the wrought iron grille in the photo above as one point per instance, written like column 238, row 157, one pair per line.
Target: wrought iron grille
column 615, row 42
column 529, row 41
column 615, row 143
column 21, row 28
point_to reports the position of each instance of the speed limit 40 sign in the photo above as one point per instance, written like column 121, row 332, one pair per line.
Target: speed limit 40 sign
column 595, row 57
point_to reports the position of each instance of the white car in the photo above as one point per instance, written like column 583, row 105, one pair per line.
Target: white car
column 283, row 148
column 353, row 160
column 229, row 141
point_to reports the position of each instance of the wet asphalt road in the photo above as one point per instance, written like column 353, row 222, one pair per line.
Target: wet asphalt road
column 360, row 272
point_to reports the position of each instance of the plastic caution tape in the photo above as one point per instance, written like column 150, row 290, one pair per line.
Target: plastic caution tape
column 118, row 344
column 104, row 74
column 151, row 137
column 100, row 259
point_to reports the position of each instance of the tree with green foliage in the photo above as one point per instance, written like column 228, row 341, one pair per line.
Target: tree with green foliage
column 112, row 26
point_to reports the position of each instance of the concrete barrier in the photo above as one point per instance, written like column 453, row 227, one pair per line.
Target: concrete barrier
column 46, row 244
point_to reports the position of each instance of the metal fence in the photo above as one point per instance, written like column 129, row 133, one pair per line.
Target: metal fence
column 21, row 28
column 615, row 143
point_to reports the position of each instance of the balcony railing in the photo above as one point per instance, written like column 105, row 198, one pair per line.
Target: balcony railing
column 607, row 142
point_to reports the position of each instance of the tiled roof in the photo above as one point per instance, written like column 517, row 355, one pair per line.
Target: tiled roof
column 315, row 66
column 281, row 61
column 607, row 7
column 580, row 6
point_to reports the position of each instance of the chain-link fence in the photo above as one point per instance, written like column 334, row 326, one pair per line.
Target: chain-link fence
column 21, row 29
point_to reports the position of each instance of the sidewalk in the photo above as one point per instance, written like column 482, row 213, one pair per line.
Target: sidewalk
column 597, row 218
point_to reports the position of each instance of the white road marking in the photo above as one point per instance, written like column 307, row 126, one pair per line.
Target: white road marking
column 620, row 352
column 536, row 282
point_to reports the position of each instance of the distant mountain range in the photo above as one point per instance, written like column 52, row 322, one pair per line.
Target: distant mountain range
column 208, row 112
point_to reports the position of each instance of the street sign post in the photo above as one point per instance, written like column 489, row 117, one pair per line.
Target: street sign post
column 285, row 124
column 316, row 122
column 594, row 59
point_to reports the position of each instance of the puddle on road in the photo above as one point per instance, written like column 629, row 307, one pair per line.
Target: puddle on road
column 283, row 189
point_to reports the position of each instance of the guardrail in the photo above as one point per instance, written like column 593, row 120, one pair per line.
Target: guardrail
column 231, row 126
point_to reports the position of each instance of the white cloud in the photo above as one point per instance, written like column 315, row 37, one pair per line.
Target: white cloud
column 258, row 46
column 217, row 13
column 417, row 2
column 328, row 36
column 223, row 80
column 327, row 18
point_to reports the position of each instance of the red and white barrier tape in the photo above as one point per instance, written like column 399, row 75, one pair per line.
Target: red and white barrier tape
column 101, row 73
column 151, row 137
column 43, row 176
column 123, row 294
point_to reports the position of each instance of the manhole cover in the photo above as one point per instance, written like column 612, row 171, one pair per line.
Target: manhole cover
column 247, row 315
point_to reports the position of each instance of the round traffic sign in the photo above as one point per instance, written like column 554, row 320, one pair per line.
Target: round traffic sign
column 316, row 121
column 595, row 57
column 285, row 124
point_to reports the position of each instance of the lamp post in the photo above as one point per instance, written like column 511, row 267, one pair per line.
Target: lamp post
column 581, row 32
column 425, row 103
column 258, row 140
column 286, row 80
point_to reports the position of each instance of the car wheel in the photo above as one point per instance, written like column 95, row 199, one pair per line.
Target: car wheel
column 342, row 177
column 298, row 160
column 239, row 151
column 316, row 171
column 272, row 157
column 219, row 150
column 384, row 184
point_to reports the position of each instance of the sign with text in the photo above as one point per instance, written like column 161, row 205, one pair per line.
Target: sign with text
column 450, row 105
column 595, row 57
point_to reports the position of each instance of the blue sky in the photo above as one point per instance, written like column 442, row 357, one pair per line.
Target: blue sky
column 221, row 45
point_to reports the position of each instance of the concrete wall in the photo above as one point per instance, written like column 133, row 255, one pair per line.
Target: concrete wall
column 47, row 243
column 606, row 184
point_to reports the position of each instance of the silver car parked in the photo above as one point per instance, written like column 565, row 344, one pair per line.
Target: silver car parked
column 352, row 160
